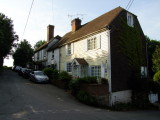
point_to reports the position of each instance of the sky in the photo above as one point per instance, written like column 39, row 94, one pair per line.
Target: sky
column 60, row 13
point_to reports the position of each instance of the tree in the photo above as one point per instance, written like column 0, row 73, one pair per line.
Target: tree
column 39, row 43
column 23, row 54
column 156, row 59
column 7, row 37
column 151, row 46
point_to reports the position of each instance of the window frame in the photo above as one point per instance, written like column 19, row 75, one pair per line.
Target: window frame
column 69, row 49
column 92, row 43
column 69, row 67
column 96, row 70
column 130, row 20
column 52, row 54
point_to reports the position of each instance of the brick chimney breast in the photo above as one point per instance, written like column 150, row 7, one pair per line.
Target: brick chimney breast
column 50, row 32
column 76, row 24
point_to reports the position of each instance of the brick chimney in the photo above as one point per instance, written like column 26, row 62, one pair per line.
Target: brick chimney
column 76, row 24
column 50, row 32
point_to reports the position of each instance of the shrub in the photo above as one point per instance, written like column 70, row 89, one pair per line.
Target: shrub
column 48, row 72
column 65, row 77
column 75, row 84
column 104, row 81
column 156, row 77
column 87, row 80
column 84, row 97
column 55, row 74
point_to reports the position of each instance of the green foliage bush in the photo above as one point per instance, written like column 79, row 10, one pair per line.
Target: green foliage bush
column 65, row 77
column 55, row 74
column 140, row 90
column 86, row 98
column 7, row 68
column 74, row 84
column 104, row 81
column 48, row 72
column 156, row 77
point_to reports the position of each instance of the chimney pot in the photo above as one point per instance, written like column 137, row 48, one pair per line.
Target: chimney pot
column 76, row 24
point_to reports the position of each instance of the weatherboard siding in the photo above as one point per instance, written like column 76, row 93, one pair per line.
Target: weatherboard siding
column 79, row 50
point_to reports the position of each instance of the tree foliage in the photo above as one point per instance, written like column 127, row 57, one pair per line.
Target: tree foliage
column 39, row 43
column 23, row 54
column 157, row 77
column 7, row 37
column 151, row 46
column 156, row 59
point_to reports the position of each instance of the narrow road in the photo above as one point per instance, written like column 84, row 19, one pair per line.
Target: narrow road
column 21, row 99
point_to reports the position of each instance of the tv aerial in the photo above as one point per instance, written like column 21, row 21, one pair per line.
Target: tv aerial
column 78, row 15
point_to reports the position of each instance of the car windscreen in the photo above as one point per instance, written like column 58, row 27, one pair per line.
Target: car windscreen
column 39, row 73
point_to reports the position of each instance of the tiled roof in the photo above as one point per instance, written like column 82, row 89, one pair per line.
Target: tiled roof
column 90, row 27
column 41, row 47
column 81, row 61
column 46, row 44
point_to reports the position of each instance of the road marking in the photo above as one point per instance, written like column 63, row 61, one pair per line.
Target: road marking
column 20, row 114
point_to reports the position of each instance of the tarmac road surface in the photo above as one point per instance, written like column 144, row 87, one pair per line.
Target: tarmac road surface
column 21, row 99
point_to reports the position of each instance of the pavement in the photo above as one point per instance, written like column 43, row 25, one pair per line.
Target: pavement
column 21, row 99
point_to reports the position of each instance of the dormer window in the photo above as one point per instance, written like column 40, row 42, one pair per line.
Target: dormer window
column 130, row 21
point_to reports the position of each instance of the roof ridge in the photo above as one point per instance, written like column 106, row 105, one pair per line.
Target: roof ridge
column 91, row 27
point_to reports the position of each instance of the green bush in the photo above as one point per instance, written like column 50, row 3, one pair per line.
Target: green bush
column 74, row 85
column 65, row 77
column 48, row 72
column 6, row 68
column 104, row 81
column 156, row 77
column 55, row 74
column 86, row 98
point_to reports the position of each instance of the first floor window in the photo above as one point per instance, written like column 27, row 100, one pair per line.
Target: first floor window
column 69, row 67
column 69, row 49
column 53, row 54
column 96, row 71
column 143, row 71
column 92, row 43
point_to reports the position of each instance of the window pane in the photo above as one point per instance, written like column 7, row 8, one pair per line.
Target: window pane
column 69, row 67
column 92, row 43
column 96, row 71
column 69, row 49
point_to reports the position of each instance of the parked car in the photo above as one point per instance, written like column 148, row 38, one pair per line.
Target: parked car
column 13, row 68
column 17, row 68
column 38, row 77
column 23, row 71
column 26, row 73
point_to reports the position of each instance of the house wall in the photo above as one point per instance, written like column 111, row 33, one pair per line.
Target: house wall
column 121, row 72
column 49, row 60
column 93, row 57
column 120, row 97
column 56, row 58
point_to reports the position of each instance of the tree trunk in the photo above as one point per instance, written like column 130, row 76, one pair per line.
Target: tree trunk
column 1, row 62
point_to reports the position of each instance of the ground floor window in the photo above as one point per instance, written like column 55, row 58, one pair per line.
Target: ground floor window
column 69, row 67
column 96, row 71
